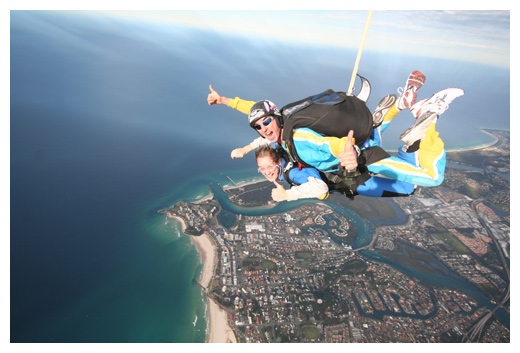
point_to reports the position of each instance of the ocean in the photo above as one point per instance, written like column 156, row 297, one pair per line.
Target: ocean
column 109, row 124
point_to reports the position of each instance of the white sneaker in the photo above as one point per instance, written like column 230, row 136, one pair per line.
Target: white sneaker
column 384, row 105
column 418, row 130
column 438, row 103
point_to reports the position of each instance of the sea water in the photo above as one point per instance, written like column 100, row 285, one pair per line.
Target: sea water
column 109, row 124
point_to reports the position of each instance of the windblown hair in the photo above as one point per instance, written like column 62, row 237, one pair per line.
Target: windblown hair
column 268, row 151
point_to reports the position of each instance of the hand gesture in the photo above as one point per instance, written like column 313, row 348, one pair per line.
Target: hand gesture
column 238, row 153
column 279, row 193
column 348, row 157
column 214, row 97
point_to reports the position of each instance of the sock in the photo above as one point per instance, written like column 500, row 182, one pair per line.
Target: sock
column 390, row 114
column 413, row 147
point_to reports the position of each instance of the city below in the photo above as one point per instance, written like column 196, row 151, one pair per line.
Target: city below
column 431, row 267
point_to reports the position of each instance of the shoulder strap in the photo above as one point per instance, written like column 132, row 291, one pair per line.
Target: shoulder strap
column 290, row 163
column 286, row 172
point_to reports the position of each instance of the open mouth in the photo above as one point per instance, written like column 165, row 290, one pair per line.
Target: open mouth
column 271, row 176
column 269, row 135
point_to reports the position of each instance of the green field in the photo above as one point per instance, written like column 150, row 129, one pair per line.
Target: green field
column 306, row 255
column 451, row 242
column 310, row 332
column 257, row 263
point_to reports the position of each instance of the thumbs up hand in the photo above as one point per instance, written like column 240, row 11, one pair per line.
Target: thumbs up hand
column 279, row 193
column 213, row 97
column 348, row 157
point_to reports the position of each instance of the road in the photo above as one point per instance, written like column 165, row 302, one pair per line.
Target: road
column 475, row 332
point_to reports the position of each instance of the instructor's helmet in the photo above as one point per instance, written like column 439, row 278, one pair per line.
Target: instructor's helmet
column 264, row 108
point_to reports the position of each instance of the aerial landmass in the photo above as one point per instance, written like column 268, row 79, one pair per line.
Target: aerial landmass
column 431, row 267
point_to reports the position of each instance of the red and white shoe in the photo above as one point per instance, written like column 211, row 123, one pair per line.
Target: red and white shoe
column 408, row 94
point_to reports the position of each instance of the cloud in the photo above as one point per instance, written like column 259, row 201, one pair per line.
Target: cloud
column 444, row 33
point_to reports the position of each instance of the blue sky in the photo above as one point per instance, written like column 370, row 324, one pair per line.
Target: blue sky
column 481, row 36
column 477, row 35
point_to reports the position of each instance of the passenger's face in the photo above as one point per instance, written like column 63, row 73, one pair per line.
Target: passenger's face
column 268, row 167
column 271, row 132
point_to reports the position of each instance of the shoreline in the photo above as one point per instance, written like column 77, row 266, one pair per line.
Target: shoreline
column 219, row 329
column 241, row 184
column 478, row 147
column 210, row 196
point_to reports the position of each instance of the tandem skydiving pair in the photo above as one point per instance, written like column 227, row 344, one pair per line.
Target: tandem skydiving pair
column 331, row 142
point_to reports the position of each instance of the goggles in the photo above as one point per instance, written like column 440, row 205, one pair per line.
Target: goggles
column 264, row 123
column 269, row 168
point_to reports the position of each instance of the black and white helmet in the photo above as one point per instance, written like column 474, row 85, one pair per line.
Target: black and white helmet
column 261, row 109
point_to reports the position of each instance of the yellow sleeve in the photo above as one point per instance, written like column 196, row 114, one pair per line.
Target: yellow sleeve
column 240, row 105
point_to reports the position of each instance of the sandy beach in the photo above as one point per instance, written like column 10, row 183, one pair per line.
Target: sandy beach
column 229, row 187
column 219, row 329
column 241, row 184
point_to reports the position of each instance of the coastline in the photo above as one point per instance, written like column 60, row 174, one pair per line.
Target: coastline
column 477, row 147
column 203, row 199
column 210, row 196
column 219, row 329
column 244, row 183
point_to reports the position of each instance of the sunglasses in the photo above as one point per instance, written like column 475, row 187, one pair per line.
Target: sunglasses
column 264, row 123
